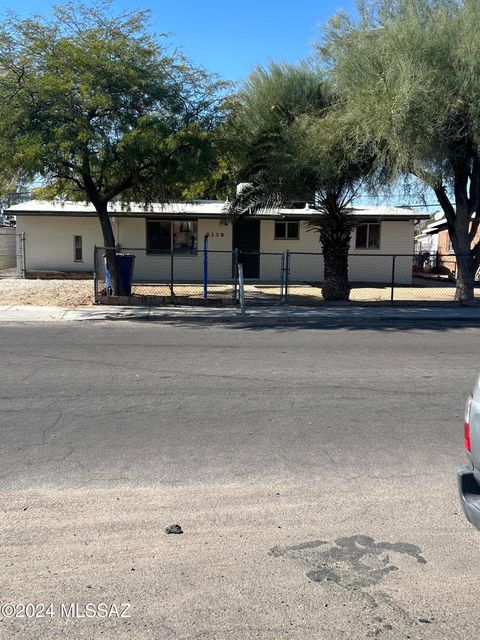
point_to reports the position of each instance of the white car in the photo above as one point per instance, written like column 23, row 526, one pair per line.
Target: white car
column 469, row 476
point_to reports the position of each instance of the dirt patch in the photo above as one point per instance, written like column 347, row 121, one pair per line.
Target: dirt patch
column 59, row 275
column 60, row 293
column 75, row 292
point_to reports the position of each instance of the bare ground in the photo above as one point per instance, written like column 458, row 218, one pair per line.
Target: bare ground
column 312, row 294
column 75, row 293
column 62, row 293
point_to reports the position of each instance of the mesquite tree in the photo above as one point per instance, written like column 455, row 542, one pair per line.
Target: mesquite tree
column 289, row 145
column 95, row 107
column 408, row 75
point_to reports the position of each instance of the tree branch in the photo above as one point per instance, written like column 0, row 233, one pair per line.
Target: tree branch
column 446, row 205
column 69, row 177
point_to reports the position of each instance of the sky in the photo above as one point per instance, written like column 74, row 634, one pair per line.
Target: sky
column 229, row 38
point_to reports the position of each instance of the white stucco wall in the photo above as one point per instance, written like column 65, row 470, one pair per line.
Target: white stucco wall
column 50, row 246
column 365, row 265
column 396, row 237
column 49, row 242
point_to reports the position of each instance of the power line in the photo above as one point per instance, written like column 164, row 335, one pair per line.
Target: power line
column 412, row 206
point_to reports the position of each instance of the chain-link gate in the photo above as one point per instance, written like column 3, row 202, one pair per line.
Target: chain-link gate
column 196, row 275
column 264, row 276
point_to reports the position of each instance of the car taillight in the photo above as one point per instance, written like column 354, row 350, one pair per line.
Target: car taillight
column 466, row 425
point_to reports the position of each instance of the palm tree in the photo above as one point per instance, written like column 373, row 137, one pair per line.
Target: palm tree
column 290, row 144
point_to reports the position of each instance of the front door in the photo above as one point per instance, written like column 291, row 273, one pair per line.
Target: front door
column 246, row 238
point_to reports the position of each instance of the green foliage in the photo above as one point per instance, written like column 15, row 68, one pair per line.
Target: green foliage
column 292, row 143
column 13, row 189
column 409, row 76
column 265, row 132
column 98, row 108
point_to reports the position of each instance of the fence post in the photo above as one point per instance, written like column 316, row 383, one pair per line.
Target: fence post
column 95, row 274
column 393, row 280
column 205, row 266
column 286, row 275
column 172, row 292
column 235, row 275
column 24, row 253
column 21, row 255
column 18, row 255
column 241, row 284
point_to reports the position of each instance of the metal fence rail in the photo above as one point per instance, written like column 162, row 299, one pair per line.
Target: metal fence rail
column 281, row 278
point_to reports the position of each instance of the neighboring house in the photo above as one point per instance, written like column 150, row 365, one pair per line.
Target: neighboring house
column 427, row 240
column 446, row 261
column 60, row 236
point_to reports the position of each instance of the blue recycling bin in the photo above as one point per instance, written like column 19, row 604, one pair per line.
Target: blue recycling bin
column 126, row 263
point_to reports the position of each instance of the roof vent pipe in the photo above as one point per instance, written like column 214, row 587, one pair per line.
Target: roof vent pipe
column 242, row 186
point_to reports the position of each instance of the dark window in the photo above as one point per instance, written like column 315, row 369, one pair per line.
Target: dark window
column 368, row 236
column 158, row 236
column 292, row 230
column 286, row 230
column 362, row 234
column 77, row 249
column 279, row 230
column 164, row 236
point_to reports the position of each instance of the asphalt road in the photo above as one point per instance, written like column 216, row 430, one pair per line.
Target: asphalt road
column 313, row 472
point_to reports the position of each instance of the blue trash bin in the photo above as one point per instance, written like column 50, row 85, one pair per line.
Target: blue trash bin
column 126, row 263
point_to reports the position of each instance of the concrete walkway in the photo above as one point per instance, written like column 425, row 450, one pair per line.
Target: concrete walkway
column 27, row 313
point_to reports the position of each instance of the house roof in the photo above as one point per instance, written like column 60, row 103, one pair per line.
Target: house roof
column 435, row 227
column 197, row 209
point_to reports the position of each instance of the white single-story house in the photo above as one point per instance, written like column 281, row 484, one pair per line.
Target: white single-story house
column 61, row 236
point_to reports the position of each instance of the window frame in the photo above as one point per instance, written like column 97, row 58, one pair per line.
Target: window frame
column 75, row 259
column 165, row 252
column 368, row 225
column 286, row 223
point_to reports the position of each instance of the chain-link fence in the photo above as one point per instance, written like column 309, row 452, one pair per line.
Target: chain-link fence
column 377, row 278
column 12, row 253
column 173, row 275
column 289, row 277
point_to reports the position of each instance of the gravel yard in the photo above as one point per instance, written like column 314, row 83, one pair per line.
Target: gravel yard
column 75, row 293
column 61, row 293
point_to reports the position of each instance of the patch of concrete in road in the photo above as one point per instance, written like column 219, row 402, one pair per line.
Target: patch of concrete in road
column 352, row 562
column 355, row 563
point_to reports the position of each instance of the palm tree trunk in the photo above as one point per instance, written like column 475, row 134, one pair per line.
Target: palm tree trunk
column 335, row 282
column 335, row 233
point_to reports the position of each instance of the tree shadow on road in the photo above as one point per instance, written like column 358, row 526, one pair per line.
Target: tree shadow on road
column 324, row 324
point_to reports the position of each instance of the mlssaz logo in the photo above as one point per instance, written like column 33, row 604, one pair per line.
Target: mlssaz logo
column 94, row 610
